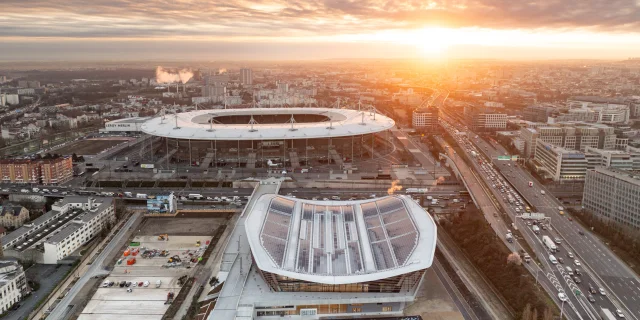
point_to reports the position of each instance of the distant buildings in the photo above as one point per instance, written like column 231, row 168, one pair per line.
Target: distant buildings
column 482, row 118
column 215, row 87
column 613, row 194
column 425, row 119
column 537, row 113
column 246, row 76
column 571, row 136
column 13, row 215
column 52, row 171
column 71, row 223
column 13, row 284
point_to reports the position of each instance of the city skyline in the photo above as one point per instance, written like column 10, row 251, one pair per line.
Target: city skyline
column 280, row 30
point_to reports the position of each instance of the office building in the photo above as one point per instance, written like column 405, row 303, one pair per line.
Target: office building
column 71, row 222
column 13, row 284
column 572, row 136
column 246, row 76
column 559, row 164
column 13, row 215
column 613, row 194
column 605, row 113
column 481, row 118
column 425, row 119
column 537, row 113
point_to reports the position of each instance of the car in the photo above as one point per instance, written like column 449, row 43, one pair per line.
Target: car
column 602, row 292
column 581, row 233
column 15, row 307
column 576, row 262
column 591, row 299
column 563, row 297
column 576, row 279
column 570, row 254
column 146, row 283
column 592, row 289
column 111, row 283
column 561, row 260
column 570, row 219
column 619, row 313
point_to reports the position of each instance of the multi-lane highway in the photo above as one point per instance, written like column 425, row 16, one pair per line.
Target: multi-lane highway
column 611, row 273
column 601, row 267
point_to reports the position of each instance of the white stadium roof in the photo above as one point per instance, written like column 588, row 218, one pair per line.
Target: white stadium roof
column 340, row 242
column 196, row 125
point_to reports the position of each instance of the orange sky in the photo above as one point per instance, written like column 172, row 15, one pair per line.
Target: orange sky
column 504, row 29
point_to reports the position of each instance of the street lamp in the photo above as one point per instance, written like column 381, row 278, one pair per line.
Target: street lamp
column 561, row 309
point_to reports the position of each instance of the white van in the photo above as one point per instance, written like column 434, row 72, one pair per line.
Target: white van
column 553, row 259
column 335, row 198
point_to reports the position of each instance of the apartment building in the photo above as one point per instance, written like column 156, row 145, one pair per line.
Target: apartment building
column 560, row 164
column 53, row 171
column 71, row 222
column 613, row 194
column 13, row 215
column 571, row 136
column 482, row 118
column 13, row 284
column 425, row 119
column 56, row 171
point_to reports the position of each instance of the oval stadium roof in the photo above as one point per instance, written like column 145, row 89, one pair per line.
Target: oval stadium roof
column 196, row 125
column 340, row 242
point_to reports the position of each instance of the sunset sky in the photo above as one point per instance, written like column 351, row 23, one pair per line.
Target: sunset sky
column 294, row 29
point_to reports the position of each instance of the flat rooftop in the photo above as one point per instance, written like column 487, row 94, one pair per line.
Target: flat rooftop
column 339, row 242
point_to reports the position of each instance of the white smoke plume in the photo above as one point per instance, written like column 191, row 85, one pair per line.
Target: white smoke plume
column 173, row 76
column 222, row 70
column 394, row 187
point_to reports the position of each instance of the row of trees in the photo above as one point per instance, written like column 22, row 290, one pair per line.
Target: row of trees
column 476, row 238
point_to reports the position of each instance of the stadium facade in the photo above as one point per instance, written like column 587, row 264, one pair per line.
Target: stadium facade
column 261, row 137
column 326, row 259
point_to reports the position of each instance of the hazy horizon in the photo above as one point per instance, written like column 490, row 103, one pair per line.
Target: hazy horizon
column 311, row 30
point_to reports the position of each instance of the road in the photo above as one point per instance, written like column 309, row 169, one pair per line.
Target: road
column 611, row 272
column 562, row 228
column 96, row 269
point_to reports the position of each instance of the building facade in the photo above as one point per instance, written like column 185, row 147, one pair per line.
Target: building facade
column 53, row 171
column 425, row 119
column 560, row 164
column 246, row 76
column 481, row 118
column 13, row 215
column 13, row 284
column 613, row 194
column 571, row 136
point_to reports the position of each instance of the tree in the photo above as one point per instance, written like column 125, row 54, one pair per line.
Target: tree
column 526, row 313
column 548, row 314
column 514, row 258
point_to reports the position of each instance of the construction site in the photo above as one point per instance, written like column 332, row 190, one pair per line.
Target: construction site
column 151, row 270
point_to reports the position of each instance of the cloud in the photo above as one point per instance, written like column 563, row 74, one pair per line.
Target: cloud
column 231, row 19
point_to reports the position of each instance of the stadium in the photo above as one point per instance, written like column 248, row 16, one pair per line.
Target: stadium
column 347, row 258
column 261, row 137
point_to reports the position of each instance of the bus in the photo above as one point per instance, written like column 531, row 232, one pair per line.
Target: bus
column 463, row 193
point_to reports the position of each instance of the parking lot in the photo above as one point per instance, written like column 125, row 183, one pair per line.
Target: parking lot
column 140, row 290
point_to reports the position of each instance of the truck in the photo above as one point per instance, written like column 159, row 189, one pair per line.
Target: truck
column 509, row 237
column 195, row 196
column 535, row 229
column 606, row 314
column 548, row 242
column 128, row 194
column 141, row 195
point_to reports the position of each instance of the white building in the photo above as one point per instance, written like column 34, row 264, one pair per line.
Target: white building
column 128, row 125
column 560, row 164
column 26, row 91
column 72, row 222
column 246, row 76
column 12, row 99
column 13, row 284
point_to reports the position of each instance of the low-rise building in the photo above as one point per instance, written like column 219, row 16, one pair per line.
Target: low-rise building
column 483, row 118
column 13, row 284
column 13, row 215
column 560, row 164
column 425, row 119
column 71, row 222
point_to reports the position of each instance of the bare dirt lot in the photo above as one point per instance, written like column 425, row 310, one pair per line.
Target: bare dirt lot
column 180, row 226
column 90, row 146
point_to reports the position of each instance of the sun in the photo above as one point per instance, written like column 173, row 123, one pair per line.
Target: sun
column 433, row 41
